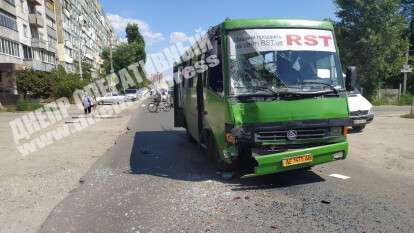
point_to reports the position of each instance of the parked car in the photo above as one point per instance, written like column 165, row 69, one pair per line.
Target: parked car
column 143, row 92
column 132, row 94
column 360, row 111
column 111, row 98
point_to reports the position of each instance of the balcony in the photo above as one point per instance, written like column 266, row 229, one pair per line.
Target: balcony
column 36, row 20
column 9, row 34
column 51, row 47
column 50, row 13
column 39, row 43
column 8, row 7
column 39, row 65
column 51, row 32
column 35, row 2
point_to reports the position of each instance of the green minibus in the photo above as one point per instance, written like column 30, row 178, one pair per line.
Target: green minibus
column 264, row 96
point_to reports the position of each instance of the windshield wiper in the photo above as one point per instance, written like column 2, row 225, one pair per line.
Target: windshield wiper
column 333, row 89
column 260, row 88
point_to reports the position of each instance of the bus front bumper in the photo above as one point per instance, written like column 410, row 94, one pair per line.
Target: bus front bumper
column 274, row 163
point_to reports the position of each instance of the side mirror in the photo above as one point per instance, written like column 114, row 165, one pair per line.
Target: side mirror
column 351, row 78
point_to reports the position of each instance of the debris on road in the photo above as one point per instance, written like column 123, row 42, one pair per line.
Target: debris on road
column 325, row 202
column 339, row 176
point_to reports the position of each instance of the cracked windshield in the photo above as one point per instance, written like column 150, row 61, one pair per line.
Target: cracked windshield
column 269, row 60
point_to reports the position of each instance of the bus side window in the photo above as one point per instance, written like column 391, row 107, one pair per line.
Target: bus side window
column 215, row 74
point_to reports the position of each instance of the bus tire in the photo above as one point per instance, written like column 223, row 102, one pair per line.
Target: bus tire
column 152, row 107
column 358, row 129
column 188, row 134
column 213, row 154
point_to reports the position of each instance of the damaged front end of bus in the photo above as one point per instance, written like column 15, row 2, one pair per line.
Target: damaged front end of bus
column 287, row 99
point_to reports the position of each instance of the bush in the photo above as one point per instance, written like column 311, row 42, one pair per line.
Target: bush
column 404, row 99
column 27, row 105
column 66, row 85
column 49, row 85
column 36, row 84
column 408, row 116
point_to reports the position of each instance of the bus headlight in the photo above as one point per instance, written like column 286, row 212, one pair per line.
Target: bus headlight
column 230, row 138
column 336, row 131
column 338, row 155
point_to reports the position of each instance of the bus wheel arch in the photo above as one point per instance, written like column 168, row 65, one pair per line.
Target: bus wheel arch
column 213, row 152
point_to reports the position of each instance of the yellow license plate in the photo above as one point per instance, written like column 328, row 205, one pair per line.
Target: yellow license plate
column 297, row 160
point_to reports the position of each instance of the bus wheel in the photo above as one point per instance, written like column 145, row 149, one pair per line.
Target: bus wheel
column 213, row 154
column 358, row 129
column 152, row 107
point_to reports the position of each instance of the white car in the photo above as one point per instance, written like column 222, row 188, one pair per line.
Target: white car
column 132, row 94
column 360, row 111
column 111, row 98
column 144, row 92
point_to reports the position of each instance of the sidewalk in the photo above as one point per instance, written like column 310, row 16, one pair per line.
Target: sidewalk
column 31, row 186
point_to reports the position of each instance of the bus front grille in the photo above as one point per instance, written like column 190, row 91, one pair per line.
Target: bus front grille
column 295, row 134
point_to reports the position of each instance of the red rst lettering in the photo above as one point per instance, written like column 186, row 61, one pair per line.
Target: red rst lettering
column 311, row 40
column 293, row 38
column 326, row 40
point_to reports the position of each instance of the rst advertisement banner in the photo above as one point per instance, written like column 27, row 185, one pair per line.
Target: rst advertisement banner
column 261, row 40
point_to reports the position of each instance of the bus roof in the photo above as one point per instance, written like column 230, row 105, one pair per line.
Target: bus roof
column 230, row 24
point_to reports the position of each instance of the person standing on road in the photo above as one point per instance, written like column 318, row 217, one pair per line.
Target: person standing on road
column 87, row 104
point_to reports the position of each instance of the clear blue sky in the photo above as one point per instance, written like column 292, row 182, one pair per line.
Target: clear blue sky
column 158, row 19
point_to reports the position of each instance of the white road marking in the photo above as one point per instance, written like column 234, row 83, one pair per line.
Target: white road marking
column 339, row 176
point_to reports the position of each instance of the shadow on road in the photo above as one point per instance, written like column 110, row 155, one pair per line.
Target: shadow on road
column 170, row 154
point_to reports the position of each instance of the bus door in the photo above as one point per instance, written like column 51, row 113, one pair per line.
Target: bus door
column 191, row 110
column 200, row 102
column 179, row 119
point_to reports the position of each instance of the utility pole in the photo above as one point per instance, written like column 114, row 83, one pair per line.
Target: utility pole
column 110, row 56
column 405, row 70
column 112, row 64
column 80, row 20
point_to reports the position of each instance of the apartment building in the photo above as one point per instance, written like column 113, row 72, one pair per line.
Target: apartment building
column 84, row 32
column 28, row 39
column 40, row 34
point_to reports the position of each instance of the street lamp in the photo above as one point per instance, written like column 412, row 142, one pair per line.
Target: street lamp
column 80, row 20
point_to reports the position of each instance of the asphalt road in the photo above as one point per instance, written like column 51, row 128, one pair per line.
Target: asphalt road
column 155, row 180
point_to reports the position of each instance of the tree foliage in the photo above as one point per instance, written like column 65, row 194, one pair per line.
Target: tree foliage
column 35, row 84
column 86, row 69
column 133, row 35
column 371, row 36
column 55, row 84
column 407, row 7
column 65, row 84
column 126, row 54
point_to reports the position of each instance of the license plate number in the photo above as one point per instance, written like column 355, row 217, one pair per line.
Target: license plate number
column 357, row 122
column 297, row 160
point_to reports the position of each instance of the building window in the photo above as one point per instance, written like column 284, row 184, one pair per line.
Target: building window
column 11, row 2
column 22, row 6
column 27, row 52
column 50, row 5
column 50, row 22
column 8, row 22
column 25, row 31
column 9, row 47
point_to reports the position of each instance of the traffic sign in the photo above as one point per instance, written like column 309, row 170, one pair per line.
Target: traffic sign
column 406, row 69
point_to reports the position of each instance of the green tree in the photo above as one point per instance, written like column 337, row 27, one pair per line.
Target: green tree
column 65, row 84
column 371, row 36
column 408, row 12
column 86, row 69
column 34, row 84
column 126, row 54
column 133, row 35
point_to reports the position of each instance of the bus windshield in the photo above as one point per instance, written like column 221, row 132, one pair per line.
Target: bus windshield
column 295, row 60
